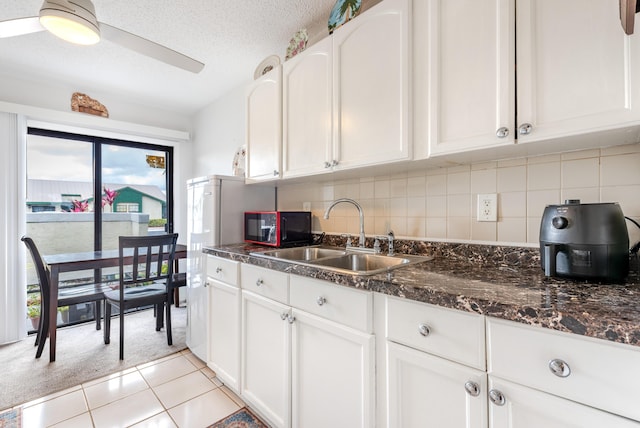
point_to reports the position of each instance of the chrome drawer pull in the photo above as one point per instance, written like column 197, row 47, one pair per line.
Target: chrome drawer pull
column 291, row 318
column 321, row 301
column 424, row 330
column 218, row 269
column 497, row 397
column 559, row 368
column 473, row 389
column 259, row 282
column 284, row 316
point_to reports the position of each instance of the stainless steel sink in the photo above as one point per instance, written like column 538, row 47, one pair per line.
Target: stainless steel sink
column 353, row 262
column 304, row 254
column 368, row 264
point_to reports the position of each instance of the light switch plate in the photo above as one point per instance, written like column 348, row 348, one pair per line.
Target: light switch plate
column 488, row 207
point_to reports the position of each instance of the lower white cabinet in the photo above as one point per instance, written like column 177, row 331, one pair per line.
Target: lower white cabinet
column 517, row 406
column 425, row 390
column 332, row 374
column 266, row 357
column 224, row 333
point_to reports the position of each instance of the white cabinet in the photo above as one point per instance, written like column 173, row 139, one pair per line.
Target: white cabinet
column 224, row 320
column 434, row 366
column 464, row 56
column 266, row 357
column 575, row 68
column 594, row 372
column 425, row 390
column 346, row 100
column 332, row 374
column 523, row 407
column 371, row 86
column 307, row 105
column 302, row 369
column 573, row 72
column 264, row 126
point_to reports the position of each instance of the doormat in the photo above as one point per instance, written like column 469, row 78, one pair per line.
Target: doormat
column 243, row 418
column 11, row 418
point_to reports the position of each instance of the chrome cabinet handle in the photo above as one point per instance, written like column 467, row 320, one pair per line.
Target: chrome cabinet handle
column 559, row 368
column 283, row 316
column 321, row 300
column 472, row 388
column 502, row 132
column 525, row 129
column 424, row 330
column 291, row 318
column 259, row 282
column 218, row 269
column 497, row 397
column 206, row 284
column 334, row 163
column 327, row 164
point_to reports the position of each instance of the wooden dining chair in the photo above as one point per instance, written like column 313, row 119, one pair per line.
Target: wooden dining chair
column 67, row 296
column 145, row 279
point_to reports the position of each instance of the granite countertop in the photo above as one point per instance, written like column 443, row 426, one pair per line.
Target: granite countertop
column 500, row 282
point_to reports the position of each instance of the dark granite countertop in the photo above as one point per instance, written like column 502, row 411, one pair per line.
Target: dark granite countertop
column 500, row 282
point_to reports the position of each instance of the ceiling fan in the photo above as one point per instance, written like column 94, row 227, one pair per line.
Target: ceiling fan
column 75, row 21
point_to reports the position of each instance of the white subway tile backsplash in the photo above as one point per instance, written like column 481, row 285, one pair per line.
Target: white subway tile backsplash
column 441, row 203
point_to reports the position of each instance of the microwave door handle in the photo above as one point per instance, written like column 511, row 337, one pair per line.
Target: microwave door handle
column 284, row 228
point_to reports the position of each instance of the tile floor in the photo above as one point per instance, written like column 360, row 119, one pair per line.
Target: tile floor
column 175, row 391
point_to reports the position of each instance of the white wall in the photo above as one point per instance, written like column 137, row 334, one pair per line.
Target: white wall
column 218, row 131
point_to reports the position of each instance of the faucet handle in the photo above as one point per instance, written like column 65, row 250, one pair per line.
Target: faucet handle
column 376, row 244
column 349, row 242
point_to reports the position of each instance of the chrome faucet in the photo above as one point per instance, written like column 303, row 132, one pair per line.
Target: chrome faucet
column 360, row 212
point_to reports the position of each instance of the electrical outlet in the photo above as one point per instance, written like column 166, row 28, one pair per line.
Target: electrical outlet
column 306, row 206
column 488, row 207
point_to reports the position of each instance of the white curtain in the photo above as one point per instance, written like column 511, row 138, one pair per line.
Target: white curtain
column 12, row 202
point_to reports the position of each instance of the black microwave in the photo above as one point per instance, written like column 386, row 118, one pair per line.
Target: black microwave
column 277, row 228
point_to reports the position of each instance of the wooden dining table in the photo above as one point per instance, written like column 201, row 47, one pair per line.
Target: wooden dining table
column 72, row 262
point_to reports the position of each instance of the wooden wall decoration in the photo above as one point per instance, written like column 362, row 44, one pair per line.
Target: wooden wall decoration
column 85, row 104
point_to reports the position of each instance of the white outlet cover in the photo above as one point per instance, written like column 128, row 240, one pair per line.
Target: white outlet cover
column 487, row 207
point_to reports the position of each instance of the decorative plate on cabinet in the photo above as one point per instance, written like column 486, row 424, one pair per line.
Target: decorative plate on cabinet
column 297, row 44
column 343, row 11
column 267, row 64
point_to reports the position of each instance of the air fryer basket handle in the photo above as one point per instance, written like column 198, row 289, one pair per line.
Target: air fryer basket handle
column 550, row 252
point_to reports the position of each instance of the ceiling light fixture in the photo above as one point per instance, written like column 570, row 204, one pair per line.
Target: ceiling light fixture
column 71, row 20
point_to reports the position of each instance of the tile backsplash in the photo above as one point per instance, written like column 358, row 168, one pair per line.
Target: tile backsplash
column 441, row 204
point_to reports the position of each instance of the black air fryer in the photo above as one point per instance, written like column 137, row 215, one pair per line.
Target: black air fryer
column 584, row 241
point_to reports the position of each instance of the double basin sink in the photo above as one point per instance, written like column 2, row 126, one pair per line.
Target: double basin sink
column 352, row 261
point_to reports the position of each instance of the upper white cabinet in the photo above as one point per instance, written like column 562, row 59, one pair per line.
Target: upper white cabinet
column 346, row 98
column 308, row 111
column 573, row 72
column 464, row 76
column 371, row 86
column 577, row 70
column 264, row 126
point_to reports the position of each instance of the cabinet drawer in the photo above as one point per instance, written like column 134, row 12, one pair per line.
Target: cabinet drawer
column 343, row 305
column 265, row 282
column 223, row 270
column 455, row 335
column 600, row 373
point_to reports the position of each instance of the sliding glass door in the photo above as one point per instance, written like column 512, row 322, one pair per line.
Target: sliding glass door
column 83, row 193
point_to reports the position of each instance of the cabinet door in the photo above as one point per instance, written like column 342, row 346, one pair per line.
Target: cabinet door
column 266, row 358
column 224, row 328
column 425, row 390
column 307, row 111
column 332, row 374
column 576, row 67
column 528, row 408
column 464, row 75
column 371, row 86
column 264, row 126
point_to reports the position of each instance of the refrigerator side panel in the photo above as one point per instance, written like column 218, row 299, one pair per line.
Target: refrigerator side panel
column 236, row 198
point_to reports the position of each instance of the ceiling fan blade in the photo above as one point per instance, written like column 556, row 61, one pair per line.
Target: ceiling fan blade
column 149, row 48
column 20, row 26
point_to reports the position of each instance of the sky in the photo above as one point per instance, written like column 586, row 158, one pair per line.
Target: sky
column 59, row 159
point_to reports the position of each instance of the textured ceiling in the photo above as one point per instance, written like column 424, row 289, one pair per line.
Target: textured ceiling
column 231, row 37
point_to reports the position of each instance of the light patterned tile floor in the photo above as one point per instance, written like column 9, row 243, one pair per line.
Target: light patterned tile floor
column 175, row 391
